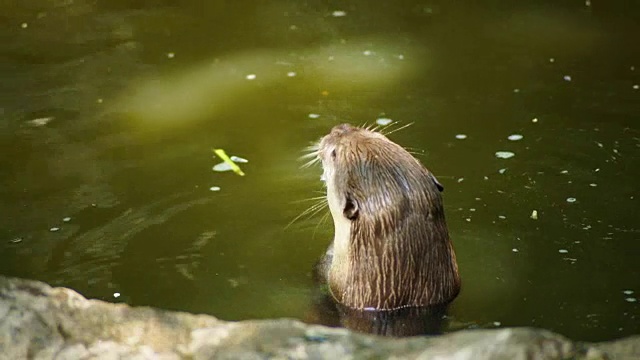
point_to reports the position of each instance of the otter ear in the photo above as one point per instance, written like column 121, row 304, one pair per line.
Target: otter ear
column 435, row 181
column 350, row 210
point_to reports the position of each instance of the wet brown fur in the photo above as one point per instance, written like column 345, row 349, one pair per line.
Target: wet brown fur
column 398, row 253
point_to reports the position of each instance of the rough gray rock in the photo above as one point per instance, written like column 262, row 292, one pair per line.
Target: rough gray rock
column 41, row 322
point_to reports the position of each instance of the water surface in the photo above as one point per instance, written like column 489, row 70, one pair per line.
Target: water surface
column 109, row 111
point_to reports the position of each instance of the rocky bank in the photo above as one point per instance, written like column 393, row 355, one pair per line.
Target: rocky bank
column 41, row 322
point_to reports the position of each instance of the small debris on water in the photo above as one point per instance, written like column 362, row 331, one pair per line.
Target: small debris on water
column 636, row 87
column 515, row 137
column 24, row 25
column 571, row 200
column 468, row 219
column 564, row 172
column 384, row 121
column 40, row 121
column 214, row 188
column 497, row 323
column 16, row 240
column 251, row 77
column 563, row 251
column 567, row 78
column 460, row 180
column 593, row 185
column 628, row 292
column 516, row 90
column 515, row 250
column 291, row 74
column 534, row 120
column 504, row 154
column 238, row 159
column 501, row 217
column 502, row 171
column 461, row 136
column 631, row 299
column 67, row 219
column 367, row 52
column 116, row 295
column 552, row 60
column 339, row 13
column 534, row 215
column 313, row 116
column 171, row 55
column 400, row 57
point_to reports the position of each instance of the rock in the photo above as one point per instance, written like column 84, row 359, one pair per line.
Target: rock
column 41, row 322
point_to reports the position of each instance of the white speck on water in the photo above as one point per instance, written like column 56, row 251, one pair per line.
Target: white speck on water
column 534, row 215
column 214, row 188
column 564, row 172
column 534, row 120
column 468, row 219
column 504, row 154
column 383, row 121
column 238, row 159
column 293, row 27
column 291, row 74
column 552, row 60
column 567, row 78
column 636, row 87
column 515, row 137
column 400, row 57
column 516, row 90
column 593, row 184
column 628, row 292
column 563, row 251
column 251, row 77
column 460, row 180
column 461, row 136
column 54, row 229
column 599, row 144
column 99, row 101
column 501, row 217
column 631, row 299
column 587, row 3
column 497, row 323
column 330, row 58
column 571, row 199
column 67, row 219
column 24, row 25
column 171, row 55
column 596, row 170
column 502, row 171
column 486, row 178
column 314, row 116
column 339, row 13
column 116, row 295
column 472, row 209
column 40, row 121
column 367, row 52
column 515, row 250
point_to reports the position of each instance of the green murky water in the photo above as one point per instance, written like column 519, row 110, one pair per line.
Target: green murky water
column 109, row 111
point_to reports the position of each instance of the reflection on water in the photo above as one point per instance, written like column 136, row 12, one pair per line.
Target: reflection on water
column 97, row 193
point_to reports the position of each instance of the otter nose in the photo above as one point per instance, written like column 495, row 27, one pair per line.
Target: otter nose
column 342, row 129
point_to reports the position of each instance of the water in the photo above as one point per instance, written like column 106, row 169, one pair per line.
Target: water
column 109, row 112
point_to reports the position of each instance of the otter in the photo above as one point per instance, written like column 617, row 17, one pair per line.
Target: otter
column 391, row 248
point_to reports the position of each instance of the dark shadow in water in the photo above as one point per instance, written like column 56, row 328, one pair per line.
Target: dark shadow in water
column 402, row 322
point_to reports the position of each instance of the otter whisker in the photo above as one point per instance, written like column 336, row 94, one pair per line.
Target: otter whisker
column 397, row 129
column 315, row 198
column 309, row 212
column 323, row 219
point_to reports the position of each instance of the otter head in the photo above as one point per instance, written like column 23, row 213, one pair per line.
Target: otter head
column 391, row 245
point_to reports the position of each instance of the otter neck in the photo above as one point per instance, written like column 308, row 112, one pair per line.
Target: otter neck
column 415, row 266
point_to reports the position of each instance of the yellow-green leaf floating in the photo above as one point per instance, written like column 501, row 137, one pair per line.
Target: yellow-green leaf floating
column 223, row 155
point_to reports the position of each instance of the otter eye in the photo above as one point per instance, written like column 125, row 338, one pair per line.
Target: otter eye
column 333, row 153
